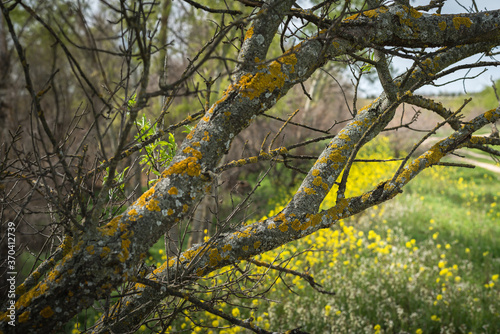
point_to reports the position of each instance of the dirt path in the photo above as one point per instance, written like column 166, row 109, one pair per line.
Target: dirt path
column 491, row 167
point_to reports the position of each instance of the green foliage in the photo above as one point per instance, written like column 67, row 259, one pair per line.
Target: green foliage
column 157, row 154
column 118, row 181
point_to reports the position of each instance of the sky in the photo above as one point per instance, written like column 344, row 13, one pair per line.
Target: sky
column 470, row 86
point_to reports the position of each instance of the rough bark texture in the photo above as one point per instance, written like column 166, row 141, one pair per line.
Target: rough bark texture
column 103, row 258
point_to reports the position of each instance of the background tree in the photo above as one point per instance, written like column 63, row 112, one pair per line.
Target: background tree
column 92, row 71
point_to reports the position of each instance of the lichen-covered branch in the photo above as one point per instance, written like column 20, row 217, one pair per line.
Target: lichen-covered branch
column 102, row 258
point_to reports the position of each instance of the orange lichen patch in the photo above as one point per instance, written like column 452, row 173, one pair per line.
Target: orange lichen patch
column 442, row 25
column 185, row 208
column 369, row 13
column 317, row 181
column 199, row 272
column 315, row 172
column 25, row 316
column 344, row 136
column 124, row 254
column 90, row 249
column 336, row 157
column 206, row 118
column 110, row 228
column 173, row 191
column 489, row 115
column 305, row 225
column 283, row 227
column 253, row 159
column 244, row 234
column 227, row 248
column 21, row 288
column 191, row 253
column 415, row 13
column 165, row 265
column 132, row 212
column 206, row 136
column 170, row 212
column 105, row 251
column 257, row 244
column 192, row 151
column 309, row 191
column 47, row 312
column 66, row 244
column 214, row 257
column 189, row 166
column 252, row 86
column 38, row 290
column 352, row 17
column 282, row 150
column 296, row 224
column 37, row 274
column 153, row 205
column 245, row 248
column 249, row 33
column 433, row 156
column 142, row 200
column 336, row 211
column 460, row 21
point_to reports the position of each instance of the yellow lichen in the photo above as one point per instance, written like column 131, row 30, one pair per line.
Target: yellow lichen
column 252, row 86
column 153, row 205
column 90, row 249
column 105, row 251
column 296, row 224
column 124, row 254
column 110, row 228
column 257, row 244
column 249, row 33
column 317, row 181
column 309, row 191
column 206, row 136
column 214, row 257
column 25, row 316
column 189, row 166
column 47, row 312
column 142, row 200
column 173, row 191
column 415, row 13
column 489, row 115
column 38, row 290
column 66, row 244
column 442, row 25
column 459, row 21
column 192, row 151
